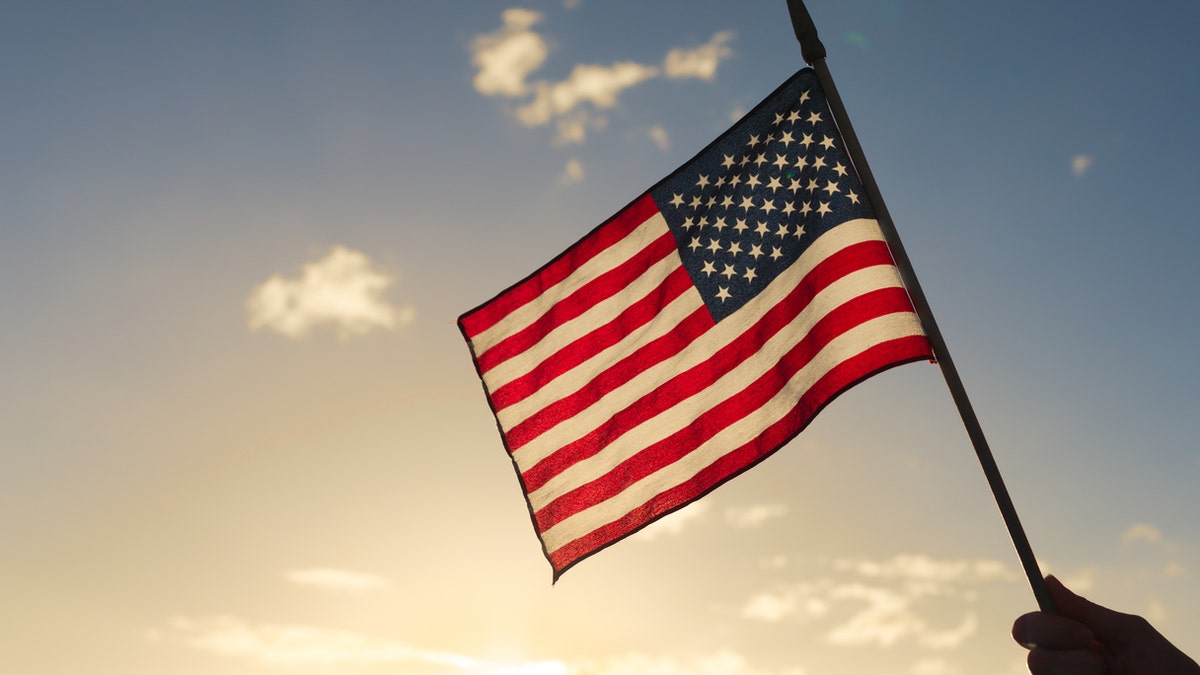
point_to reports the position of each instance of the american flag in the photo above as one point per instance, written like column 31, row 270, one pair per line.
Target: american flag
column 695, row 332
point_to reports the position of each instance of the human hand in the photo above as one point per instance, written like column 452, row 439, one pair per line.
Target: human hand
column 1087, row 639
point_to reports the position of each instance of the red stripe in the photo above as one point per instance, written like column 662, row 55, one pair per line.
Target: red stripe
column 844, row 376
column 848, row 260
column 609, row 233
column 581, row 300
column 696, row 324
column 635, row 316
column 739, row 404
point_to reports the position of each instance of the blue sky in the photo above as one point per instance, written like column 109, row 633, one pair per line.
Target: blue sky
column 241, row 432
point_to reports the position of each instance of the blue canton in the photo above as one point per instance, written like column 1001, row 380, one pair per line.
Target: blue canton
column 748, row 205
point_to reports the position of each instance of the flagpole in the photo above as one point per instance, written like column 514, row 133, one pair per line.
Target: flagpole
column 814, row 54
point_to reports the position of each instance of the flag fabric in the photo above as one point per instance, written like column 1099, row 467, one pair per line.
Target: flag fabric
column 695, row 332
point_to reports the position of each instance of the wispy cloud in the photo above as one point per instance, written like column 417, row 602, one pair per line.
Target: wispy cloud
column 701, row 62
column 724, row 662
column 343, row 290
column 1141, row 533
column 883, row 603
column 573, row 172
column 298, row 645
column 674, row 524
column 745, row 517
column 660, row 137
column 1080, row 164
column 336, row 580
column 507, row 56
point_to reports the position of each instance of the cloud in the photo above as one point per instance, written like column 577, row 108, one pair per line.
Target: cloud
column 1141, row 533
column 342, row 290
column 745, row 517
column 298, row 645
column 336, row 580
column 700, row 62
column 889, row 617
column 659, row 136
column 674, row 524
column 1174, row 570
column 924, row 568
column 506, row 57
column 598, row 85
column 724, row 662
column 573, row 172
column 1080, row 164
column 810, row 599
column 574, row 128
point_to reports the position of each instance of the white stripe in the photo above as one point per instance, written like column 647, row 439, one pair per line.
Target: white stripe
column 570, row 381
column 703, row 348
column 845, row 346
column 595, row 316
column 684, row 413
column 651, row 229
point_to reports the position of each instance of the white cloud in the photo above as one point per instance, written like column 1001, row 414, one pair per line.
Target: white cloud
column 574, row 128
column 744, row 517
column 675, row 523
column 343, row 290
column 573, row 172
column 1141, row 532
column 924, row 568
column 298, row 645
column 700, row 62
column 506, row 57
column 933, row 667
column 1080, row 164
column 889, row 617
column 597, row 85
column 723, row 662
column 810, row 599
column 336, row 580
column 1174, row 570
column 660, row 137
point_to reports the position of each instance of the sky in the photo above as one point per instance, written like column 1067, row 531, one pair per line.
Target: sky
column 240, row 432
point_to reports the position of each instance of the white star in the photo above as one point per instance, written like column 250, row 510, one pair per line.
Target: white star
column 827, row 143
column 734, row 248
column 695, row 244
column 747, row 203
column 786, row 138
column 741, row 225
column 713, row 246
column 788, row 208
column 800, row 162
column 727, row 201
column 778, row 119
column 723, row 294
column 812, row 185
column 818, row 162
column 702, row 222
column 803, row 96
column 794, row 116
column 780, row 161
column 755, row 140
column 853, row 197
column 782, row 230
column 823, row 209
column 806, row 141
column 814, row 118
column 774, row 183
column 762, row 230
column 750, row 275
column 753, row 181
column 728, row 271
column 775, row 253
column 720, row 224
column 711, row 200
column 806, row 209
column 761, row 159
column 677, row 200
column 720, row 181
column 728, row 163
column 839, row 169
column 755, row 251
column 702, row 182
column 795, row 186
column 799, row 231
column 708, row 269
column 737, row 178
column 696, row 202
column 688, row 223
column 768, row 205
column 830, row 187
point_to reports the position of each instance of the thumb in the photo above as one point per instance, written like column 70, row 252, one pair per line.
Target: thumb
column 1106, row 624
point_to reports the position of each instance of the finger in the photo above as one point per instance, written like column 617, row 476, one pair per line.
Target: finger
column 1039, row 629
column 1104, row 622
column 1069, row 662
